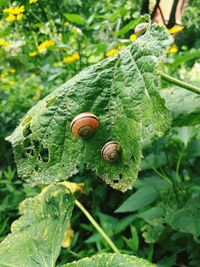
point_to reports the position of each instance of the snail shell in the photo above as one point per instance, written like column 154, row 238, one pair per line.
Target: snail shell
column 141, row 28
column 84, row 124
column 110, row 151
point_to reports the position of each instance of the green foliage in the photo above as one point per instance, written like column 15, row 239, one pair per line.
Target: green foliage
column 36, row 237
column 191, row 37
column 12, row 193
column 110, row 260
column 166, row 230
column 183, row 104
column 108, row 91
column 75, row 18
column 143, row 197
column 186, row 219
column 174, row 213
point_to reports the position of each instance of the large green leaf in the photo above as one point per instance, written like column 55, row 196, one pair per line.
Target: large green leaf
column 123, row 92
column 184, row 105
column 36, row 237
column 111, row 260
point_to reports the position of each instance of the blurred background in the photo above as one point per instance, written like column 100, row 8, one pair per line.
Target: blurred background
column 43, row 43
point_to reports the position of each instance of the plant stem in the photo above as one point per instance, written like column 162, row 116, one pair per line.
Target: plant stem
column 97, row 226
column 175, row 81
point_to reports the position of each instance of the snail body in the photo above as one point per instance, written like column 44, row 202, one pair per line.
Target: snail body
column 141, row 28
column 84, row 125
column 110, row 151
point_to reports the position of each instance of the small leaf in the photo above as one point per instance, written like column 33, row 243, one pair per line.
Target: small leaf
column 143, row 197
column 132, row 242
column 151, row 233
column 36, row 237
column 110, row 260
column 75, row 18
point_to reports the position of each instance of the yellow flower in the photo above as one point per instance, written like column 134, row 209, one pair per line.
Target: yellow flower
column 32, row 1
column 32, row 54
column 4, row 43
column 120, row 47
column 7, row 10
column 14, row 13
column 10, row 18
column 112, row 52
column 19, row 16
column 133, row 37
column 74, row 57
column 172, row 49
column 45, row 45
column 175, row 29
column 21, row 9
column 12, row 70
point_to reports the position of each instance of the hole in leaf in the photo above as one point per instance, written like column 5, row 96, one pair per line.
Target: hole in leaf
column 120, row 176
column 23, row 155
column 44, row 153
column 36, row 144
column 115, row 181
column 27, row 142
column 27, row 131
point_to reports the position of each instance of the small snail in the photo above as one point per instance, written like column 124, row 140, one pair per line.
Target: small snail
column 84, row 124
column 110, row 151
column 141, row 28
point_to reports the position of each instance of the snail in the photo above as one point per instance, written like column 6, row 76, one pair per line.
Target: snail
column 110, row 151
column 84, row 124
column 141, row 28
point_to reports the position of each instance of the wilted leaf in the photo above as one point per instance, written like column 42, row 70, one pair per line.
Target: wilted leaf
column 111, row 260
column 123, row 92
column 36, row 237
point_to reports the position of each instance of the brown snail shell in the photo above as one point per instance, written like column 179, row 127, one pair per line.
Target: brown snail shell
column 110, row 151
column 141, row 28
column 84, row 124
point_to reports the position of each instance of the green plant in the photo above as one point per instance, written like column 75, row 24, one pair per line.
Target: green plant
column 50, row 45
column 46, row 152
